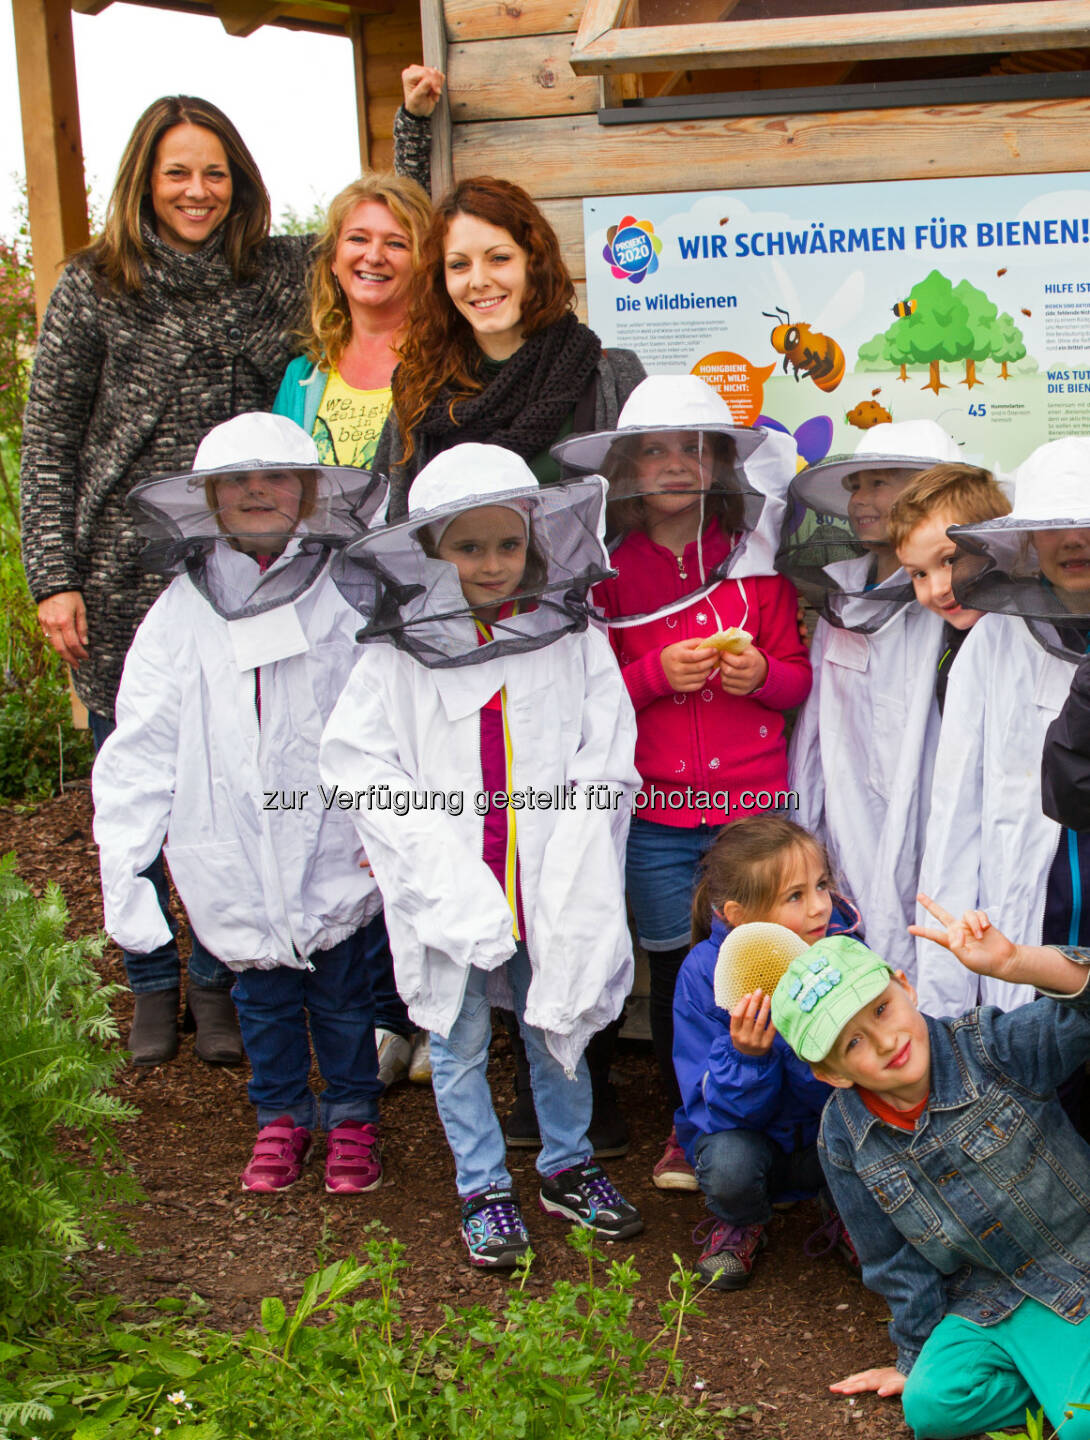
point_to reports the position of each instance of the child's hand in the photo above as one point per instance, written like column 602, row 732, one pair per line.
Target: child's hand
column 974, row 941
column 751, row 1029
column 800, row 621
column 742, row 674
column 421, row 87
column 883, row 1381
column 687, row 664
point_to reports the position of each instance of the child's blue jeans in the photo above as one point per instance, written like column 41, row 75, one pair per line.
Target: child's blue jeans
column 742, row 1171
column 273, row 1009
column 459, row 1065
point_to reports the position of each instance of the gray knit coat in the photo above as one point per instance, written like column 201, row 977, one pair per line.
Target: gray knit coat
column 125, row 386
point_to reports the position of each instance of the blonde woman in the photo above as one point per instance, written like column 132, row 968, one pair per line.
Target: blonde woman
column 338, row 390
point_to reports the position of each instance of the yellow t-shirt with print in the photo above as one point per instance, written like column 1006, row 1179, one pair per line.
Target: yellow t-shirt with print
column 349, row 422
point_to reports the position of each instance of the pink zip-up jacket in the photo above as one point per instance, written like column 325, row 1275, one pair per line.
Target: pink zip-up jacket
column 706, row 740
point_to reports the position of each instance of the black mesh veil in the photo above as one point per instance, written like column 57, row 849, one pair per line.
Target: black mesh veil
column 413, row 598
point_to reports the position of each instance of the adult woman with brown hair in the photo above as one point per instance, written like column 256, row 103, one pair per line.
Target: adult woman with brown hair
column 172, row 321
column 493, row 351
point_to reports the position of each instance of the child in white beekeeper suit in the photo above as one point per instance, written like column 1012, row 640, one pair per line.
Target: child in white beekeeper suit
column 225, row 692
column 861, row 754
column 989, row 844
column 484, row 703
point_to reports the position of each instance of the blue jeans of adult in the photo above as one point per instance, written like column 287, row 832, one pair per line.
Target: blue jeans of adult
column 160, row 969
column 274, row 1007
column 741, row 1172
column 459, row 1065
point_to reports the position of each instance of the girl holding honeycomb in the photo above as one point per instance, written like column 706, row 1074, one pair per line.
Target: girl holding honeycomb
column 749, row 1111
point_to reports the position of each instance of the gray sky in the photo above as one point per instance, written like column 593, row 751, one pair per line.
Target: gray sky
column 289, row 93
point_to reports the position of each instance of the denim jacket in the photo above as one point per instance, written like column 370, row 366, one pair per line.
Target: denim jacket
column 988, row 1199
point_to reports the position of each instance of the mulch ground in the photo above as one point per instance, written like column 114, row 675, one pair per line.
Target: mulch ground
column 774, row 1346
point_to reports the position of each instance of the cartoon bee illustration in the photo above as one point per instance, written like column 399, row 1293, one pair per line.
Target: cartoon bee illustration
column 806, row 351
column 904, row 308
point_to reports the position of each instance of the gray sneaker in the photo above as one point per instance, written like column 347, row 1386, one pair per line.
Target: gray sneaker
column 394, row 1054
column 726, row 1261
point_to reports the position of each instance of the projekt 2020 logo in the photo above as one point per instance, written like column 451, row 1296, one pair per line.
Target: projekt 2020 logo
column 632, row 249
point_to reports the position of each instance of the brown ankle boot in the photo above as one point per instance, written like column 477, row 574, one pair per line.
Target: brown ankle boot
column 213, row 1012
column 153, row 1037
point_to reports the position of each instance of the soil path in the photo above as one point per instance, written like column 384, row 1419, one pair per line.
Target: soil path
column 774, row 1346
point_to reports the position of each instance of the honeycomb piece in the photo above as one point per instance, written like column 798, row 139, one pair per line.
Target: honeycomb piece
column 734, row 640
column 753, row 957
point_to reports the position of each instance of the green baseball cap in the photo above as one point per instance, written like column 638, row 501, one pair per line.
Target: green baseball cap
column 822, row 989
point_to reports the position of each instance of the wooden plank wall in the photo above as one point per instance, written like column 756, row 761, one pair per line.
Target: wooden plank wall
column 391, row 42
column 520, row 112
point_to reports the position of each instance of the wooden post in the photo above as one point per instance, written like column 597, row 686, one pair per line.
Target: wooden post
column 433, row 34
column 56, row 190
column 359, row 72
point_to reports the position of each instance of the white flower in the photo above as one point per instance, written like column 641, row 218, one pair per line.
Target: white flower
column 158, row 1430
column 177, row 1397
column 698, row 1385
column 189, row 1404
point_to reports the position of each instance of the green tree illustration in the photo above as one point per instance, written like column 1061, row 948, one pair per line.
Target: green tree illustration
column 1010, row 345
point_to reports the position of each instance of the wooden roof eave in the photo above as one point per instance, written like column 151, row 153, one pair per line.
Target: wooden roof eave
column 603, row 46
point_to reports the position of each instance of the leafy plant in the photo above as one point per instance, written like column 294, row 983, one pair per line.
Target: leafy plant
column 565, row 1364
column 1035, row 1425
column 55, row 1065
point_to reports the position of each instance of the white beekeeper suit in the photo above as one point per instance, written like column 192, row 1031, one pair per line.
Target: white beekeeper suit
column 863, row 748
column 989, row 844
column 404, row 726
column 268, row 875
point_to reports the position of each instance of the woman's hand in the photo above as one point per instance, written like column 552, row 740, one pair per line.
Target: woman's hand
column 63, row 619
column 742, row 674
column 751, row 1029
column 421, row 87
column 883, row 1381
column 687, row 664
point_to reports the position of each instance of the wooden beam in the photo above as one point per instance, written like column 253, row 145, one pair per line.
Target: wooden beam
column 90, row 7
column 600, row 17
column 359, row 75
column 964, row 29
column 56, row 189
column 502, row 79
column 243, row 17
column 504, row 19
column 433, row 35
column 827, row 148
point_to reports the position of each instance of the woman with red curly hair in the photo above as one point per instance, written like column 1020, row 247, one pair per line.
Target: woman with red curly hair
column 494, row 352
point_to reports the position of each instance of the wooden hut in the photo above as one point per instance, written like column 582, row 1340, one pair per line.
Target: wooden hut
column 642, row 96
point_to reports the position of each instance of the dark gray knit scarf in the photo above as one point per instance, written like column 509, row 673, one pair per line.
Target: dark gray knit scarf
column 526, row 405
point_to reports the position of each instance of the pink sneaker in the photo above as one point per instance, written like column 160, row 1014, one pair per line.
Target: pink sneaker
column 673, row 1172
column 352, row 1163
column 281, row 1150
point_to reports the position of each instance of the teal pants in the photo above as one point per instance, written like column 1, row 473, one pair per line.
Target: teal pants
column 971, row 1378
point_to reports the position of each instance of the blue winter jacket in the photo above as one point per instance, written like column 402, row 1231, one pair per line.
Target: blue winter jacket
column 724, row 1090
